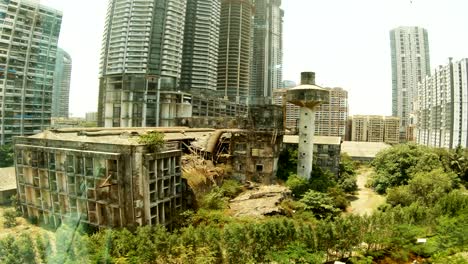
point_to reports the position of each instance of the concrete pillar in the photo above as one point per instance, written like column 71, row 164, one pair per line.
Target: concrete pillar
column 306, row 145
column 307, row 96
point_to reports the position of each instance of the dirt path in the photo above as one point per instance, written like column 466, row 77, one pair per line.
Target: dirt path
column 366, row 199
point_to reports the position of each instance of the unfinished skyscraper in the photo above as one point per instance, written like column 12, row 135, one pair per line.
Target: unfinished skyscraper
column 235, row 50
column 141, row 63
column 267, row 59
column 62, row 76
column 201, row 42
column 410, row 65
column 28, row 47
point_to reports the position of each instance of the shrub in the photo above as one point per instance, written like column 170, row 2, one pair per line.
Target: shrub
column 214, row 200
column 339, row 198
column 321, row 204
column 10, row 218
column 153, row 139
column 298, row 185
column 231, row 188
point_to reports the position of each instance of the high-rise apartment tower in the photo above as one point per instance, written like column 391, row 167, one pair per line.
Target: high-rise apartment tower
column 331, row 117
column 28, row 46
column 201, row 42
column 62, row 76
column 442, row 111
column 267, row 59
column 410, row 65
column 141, row 62
column 235, row 50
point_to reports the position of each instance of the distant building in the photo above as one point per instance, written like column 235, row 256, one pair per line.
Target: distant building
column 331, row 118
column 91, row 117
column 358, row 128
column 62, row 76
column 391, row 131
column 28, row 49
column 374, row 128
column 235, row 50
column 267, row 58
column 410, row 65
column 291, row 112
column 442, row 112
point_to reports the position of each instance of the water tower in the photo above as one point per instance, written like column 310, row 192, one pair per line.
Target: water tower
column 307, row 96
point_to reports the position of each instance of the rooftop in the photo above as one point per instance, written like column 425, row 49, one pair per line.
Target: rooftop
column 322, row 140
column 363, row 149
column 120, row 136
column 7, row 179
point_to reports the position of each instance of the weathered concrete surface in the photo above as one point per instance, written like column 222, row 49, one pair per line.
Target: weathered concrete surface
column 259, row 202
column 367, row 200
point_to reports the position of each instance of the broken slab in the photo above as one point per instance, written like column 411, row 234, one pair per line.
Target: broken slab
column 261, row 201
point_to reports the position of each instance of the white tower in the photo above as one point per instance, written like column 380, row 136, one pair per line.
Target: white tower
column 307, row 96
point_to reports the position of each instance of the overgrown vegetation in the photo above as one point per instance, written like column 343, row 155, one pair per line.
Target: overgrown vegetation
column 6, row 156
column 429, row 204
column 396, row 166
column 153, row 139
column 214, row 237
column 9, row 218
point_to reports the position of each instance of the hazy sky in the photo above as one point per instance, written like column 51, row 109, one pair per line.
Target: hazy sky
column 346, row 42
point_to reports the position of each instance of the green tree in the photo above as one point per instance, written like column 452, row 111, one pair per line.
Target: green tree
column 321, row 204
column 425, row 187
column 6, row 156
column 321, row 180
column 297, row 185
column 339, row 197
column 287, row 162
column 347, row 174
column 395, row 166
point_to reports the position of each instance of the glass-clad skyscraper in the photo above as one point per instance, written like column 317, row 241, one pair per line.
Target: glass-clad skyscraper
column 410, row 65
column 28, row 46
column 62, row 77
column 267, row 58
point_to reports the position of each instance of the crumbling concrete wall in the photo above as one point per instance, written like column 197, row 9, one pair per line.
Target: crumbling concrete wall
column 102, row 184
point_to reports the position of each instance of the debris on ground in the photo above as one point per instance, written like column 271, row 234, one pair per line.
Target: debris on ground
column 260, row 201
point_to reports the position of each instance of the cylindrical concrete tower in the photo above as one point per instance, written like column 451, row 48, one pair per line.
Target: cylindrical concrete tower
column 307, row 96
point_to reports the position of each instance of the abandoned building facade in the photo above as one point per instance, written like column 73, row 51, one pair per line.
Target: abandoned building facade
column 327, row 151
column 103, row 178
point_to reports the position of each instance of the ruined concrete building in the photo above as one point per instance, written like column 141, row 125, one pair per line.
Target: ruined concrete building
column 250, row 144
column 327, row 151
column 103, row 177
column 106, row 178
